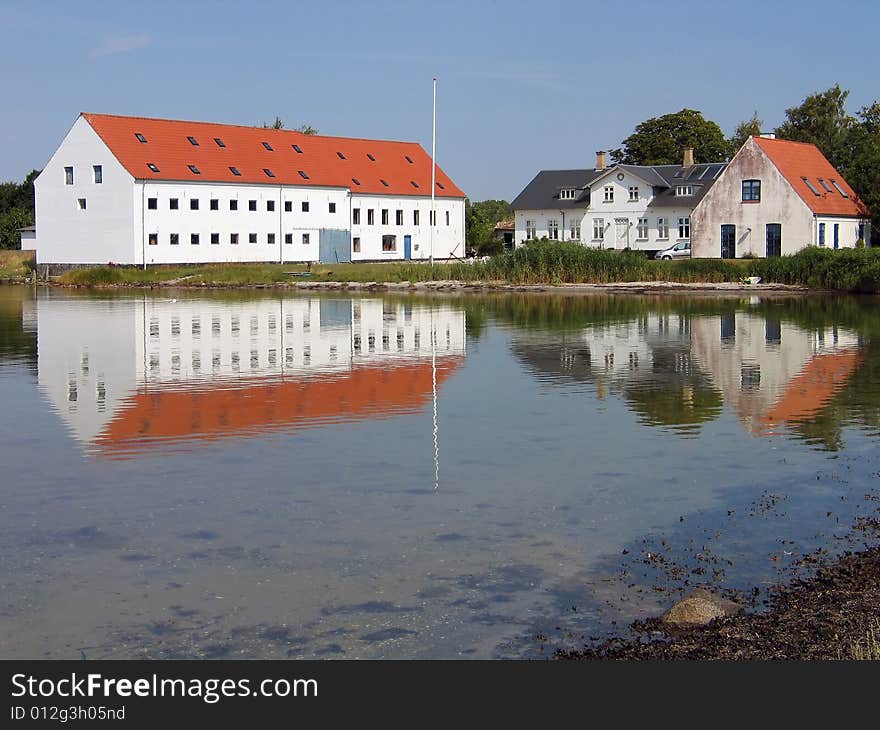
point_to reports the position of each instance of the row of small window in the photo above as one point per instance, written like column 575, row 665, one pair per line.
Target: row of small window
column 235, row 359
column 234, row 326
column 214, row 204
column 97, row 175
column 681, row 191
column 608, row 193
column 195, row 239
column 599, row 227
column 398, row 217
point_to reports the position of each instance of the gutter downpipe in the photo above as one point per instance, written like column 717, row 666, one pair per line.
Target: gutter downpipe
column 143, row 225
column 433, row 220
column 280, row 234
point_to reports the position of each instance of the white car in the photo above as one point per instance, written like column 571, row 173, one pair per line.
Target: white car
column 680, row 250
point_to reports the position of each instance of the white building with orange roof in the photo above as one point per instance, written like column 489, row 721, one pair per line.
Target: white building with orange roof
column 132, row 190
column 775, row 198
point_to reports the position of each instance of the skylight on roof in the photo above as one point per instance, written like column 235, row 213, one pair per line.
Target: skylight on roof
column 372, row 159
column 268, row 172
column 383, row 181
column 825, row 185
column 267, row 146
column 219, row 142
column 441, row 186
column 140, row 138
column 409, row 159
column 811, row 187
column 303, row 175
column 413, row 183
column 194, row 170
column 356, row 181
column 152, row 167
column 839, row 189
column 193, row 141
column 340, row 155
column 297, row 149
column 234, row 171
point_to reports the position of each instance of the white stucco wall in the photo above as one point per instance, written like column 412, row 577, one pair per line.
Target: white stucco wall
column 448, row 239
column 101, row 233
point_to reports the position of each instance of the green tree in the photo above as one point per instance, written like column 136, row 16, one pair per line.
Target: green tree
column 863, row 169
column 480, row 219
column 16, row 209
column 10, row 223
column 662, row 140
column 822, row 120
column 744, row 130
column 306, row 129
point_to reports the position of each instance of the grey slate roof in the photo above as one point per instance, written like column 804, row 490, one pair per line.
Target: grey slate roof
column 543, row 191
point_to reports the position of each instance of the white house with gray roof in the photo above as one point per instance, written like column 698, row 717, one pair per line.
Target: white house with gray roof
column 642, row 207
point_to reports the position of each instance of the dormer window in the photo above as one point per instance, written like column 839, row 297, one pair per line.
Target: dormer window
column 567, row 194
column 684, row 191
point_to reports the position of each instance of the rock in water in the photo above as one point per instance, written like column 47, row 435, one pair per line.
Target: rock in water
column 699, row 608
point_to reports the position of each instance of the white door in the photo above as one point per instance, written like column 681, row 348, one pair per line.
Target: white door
column 622, row 238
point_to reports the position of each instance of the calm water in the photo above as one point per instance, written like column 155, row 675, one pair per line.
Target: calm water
column 265, row 476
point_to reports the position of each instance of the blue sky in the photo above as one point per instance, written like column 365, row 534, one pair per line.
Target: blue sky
column 522, row 85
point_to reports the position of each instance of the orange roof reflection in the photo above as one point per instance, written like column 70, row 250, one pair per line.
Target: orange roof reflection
column 158, row 414
column 812, row 389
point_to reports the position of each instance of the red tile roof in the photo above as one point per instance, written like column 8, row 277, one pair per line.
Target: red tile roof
column 799, row 160
column 363, row 165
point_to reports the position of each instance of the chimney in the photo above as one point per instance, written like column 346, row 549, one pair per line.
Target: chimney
column 600, row 160
column 688, row 157
column 768, row 135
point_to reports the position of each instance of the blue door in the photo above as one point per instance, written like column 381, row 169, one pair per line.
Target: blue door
column 407, row 247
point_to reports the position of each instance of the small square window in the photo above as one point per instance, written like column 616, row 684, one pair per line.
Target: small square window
column 174, row 239
column 98, row 174
column 233, row 238
column 152, row 203
column 288, row 238
column 194, row 170
column 153, row 239
column 297, row 149
column 193, row 203
column 215, row 238
column 219, row 142
column 252, row 205
column 305, row 206
column 398, row 217
column 252, row 237
column 194, row 239
column 270, row 205
column 370, row 217
column 268, row 172
column 332, row 207
column 355, row 216
column 233, row 204
column 305, row 239
column 288, row 206
column 356, row 244
column 193, row 141
column 140, row 138
column 270, row 238
column 173, row 203
column 214, row 204
column 234, row 171
column 152, row 167
column 384, row 216
column 68, row 176
column 267, row 146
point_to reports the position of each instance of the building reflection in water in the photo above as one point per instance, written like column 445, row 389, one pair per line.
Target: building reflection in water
column 679, row 370
column 129, row 374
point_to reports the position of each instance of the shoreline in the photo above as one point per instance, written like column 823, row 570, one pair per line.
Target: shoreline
column 453, row 286
column 828, row 615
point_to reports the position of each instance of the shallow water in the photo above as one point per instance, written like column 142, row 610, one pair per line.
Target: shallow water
column 250, row 475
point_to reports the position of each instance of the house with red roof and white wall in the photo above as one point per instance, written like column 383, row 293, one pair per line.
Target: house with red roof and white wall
column 774, row 198
column 133, row 190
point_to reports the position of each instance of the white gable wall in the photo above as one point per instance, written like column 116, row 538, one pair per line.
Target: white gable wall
column 103, row 231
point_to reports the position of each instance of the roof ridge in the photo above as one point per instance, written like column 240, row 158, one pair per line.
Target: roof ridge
column 244, row 126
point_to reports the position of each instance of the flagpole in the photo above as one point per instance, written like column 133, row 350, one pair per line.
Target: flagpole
column 433, row 220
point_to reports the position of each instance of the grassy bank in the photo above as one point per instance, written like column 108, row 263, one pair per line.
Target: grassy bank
column 540, row 262
column 16, row 264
